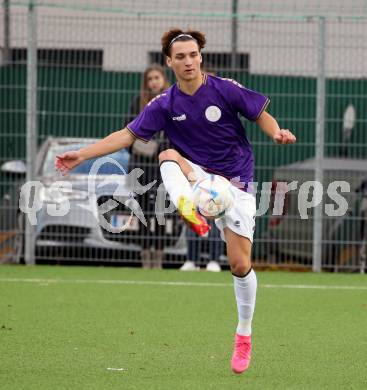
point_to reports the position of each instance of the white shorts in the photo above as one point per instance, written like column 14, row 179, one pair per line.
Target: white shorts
column 240, row 218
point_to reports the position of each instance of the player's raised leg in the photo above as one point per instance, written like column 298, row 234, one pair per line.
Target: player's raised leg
column 245, row 285
column 175, row 171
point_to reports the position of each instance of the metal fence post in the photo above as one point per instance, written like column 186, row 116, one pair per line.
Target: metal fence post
column 31, row 126
column 234, row 34
column 319, row 146
column 6, row 50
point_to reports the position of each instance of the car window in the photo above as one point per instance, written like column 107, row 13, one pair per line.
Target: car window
column 121, row 158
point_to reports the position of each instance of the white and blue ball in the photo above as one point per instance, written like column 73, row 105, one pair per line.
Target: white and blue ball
column 213, row 196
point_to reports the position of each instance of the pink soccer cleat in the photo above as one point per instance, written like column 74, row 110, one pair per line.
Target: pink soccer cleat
column 242, row 353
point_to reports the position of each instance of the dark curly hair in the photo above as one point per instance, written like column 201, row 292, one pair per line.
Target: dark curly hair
column 171, row 34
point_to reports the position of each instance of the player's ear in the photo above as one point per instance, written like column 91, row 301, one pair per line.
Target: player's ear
column 168, row 61
column 201, row 58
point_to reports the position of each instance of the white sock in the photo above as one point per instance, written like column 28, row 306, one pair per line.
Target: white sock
column 245, row 292
column 175, row 181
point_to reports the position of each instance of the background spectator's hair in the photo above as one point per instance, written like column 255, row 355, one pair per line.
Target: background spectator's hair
column 147, row 95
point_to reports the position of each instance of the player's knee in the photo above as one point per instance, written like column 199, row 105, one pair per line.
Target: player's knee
column 240, row 268
column 169, row 154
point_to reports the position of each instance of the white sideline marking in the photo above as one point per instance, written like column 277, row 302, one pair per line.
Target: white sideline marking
column 186, row 284
column 115, row 369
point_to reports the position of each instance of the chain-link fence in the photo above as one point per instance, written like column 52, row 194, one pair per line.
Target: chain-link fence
column 70, row 72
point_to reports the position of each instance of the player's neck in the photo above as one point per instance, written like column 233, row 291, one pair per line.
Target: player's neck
column 191, row 86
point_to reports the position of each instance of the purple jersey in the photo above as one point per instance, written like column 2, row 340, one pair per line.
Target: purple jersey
column 205, row 128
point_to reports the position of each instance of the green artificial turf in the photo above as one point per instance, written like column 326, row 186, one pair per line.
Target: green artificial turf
column 64, row 327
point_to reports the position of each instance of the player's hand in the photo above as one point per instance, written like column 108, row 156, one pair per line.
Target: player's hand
column 65, row 162
column 284, row 136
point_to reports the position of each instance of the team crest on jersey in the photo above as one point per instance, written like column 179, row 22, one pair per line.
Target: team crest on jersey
column 233, row 82
column 213, row 113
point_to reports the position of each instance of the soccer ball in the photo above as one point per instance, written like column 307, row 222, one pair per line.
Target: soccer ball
column 213, row 195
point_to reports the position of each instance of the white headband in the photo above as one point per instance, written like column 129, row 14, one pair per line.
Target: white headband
column 180, row 36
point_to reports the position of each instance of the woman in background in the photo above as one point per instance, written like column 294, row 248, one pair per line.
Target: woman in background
column 145, row 156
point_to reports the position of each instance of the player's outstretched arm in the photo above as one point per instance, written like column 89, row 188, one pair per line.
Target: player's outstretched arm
column 270, row 126
column 118, row 140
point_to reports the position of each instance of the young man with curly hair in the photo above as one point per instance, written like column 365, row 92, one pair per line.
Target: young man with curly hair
column 200, row 116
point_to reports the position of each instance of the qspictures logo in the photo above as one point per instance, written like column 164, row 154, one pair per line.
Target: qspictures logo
column 60, row 198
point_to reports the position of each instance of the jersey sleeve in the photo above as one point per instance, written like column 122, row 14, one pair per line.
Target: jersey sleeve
column 150, row 121
column 247, row 102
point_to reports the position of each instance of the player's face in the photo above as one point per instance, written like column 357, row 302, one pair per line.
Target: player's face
column 155, row 81
column 185, row 60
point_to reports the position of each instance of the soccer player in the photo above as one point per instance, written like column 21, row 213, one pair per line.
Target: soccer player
column 199, row 115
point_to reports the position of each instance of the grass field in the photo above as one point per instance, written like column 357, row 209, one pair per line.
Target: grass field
column 119, row 328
